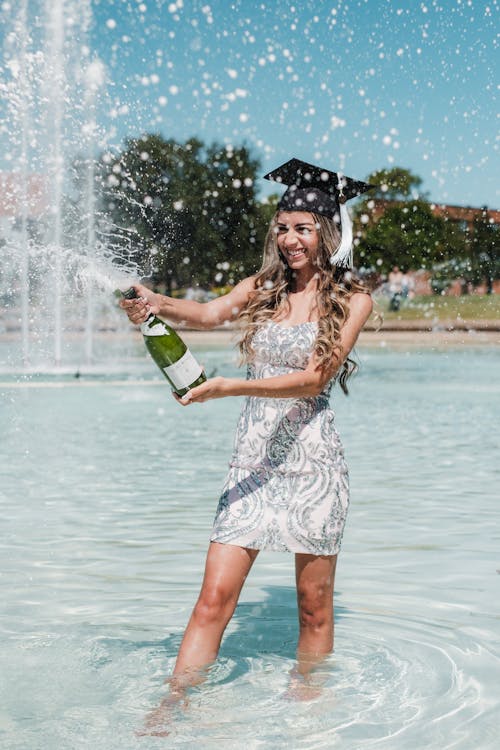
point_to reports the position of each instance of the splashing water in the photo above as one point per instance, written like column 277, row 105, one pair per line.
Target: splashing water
column 106, row 277
column 60, row 257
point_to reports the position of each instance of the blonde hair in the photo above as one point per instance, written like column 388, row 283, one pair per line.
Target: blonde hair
column 274, row 281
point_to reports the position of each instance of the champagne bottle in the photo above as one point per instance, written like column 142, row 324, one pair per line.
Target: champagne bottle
column 169, row 352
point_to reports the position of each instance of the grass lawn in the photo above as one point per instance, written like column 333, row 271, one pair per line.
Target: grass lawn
column 467, row 307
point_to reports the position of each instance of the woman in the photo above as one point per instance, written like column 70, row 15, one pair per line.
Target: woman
column 287, row 487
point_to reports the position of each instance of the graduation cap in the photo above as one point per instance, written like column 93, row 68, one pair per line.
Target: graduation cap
column 319, row 191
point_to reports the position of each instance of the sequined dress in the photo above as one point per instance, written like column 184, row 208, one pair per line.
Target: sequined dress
column 287, row 488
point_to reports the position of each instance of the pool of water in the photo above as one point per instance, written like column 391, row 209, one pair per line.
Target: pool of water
column 108, row 489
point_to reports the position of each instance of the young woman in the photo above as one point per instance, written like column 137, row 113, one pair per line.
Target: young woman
column 287, row 487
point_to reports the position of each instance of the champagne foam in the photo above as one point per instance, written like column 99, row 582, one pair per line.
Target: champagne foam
column 106, row 277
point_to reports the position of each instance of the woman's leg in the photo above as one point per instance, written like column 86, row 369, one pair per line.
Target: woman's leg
column 315, row 577
column 226, row 569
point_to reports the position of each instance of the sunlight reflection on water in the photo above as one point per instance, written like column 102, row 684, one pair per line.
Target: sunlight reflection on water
column 108, row 494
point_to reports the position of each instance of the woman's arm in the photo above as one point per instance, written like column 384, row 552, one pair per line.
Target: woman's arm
column 308, row 382
column 203, row 315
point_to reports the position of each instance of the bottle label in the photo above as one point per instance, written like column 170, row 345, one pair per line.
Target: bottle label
column 184, row 372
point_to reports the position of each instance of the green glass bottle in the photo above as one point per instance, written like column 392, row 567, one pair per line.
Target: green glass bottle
column 169, row 352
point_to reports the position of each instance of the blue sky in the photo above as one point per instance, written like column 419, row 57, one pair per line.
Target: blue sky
column 356, row 85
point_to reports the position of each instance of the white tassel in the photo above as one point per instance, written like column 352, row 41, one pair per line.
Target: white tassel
column 343, row 254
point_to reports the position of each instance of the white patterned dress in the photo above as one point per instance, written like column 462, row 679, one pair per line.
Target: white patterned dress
column 287, row 488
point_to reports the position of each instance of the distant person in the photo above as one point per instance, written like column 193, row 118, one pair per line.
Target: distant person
column 395, row 288
column 287, row 487
column 407, row 286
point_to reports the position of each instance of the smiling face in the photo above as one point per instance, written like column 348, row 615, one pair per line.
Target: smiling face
column 298, row 238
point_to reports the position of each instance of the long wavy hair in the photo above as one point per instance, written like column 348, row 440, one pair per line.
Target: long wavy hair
column 275, row 280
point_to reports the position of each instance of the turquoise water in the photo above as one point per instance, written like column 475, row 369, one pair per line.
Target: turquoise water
column 108, row 490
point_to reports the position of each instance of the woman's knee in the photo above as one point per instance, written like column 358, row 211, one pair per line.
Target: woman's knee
column 215, row 604
column 315, row 602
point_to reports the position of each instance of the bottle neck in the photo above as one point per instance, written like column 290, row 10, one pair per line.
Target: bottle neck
column 151, row 320
column 154, row 326
column 132, row 294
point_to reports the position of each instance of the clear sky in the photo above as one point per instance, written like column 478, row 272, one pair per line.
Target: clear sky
column 356, row 85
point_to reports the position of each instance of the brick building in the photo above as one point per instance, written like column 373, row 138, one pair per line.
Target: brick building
column 464, row 216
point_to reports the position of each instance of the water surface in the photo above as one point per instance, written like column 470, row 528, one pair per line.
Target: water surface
column 108, row 489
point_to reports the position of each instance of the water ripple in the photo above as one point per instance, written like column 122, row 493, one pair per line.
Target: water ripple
column 107, row 502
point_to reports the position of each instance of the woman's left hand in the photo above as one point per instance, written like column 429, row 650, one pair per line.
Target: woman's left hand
column 212, row 388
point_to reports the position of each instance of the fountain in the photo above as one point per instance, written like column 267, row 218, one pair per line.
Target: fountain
column 52, row 236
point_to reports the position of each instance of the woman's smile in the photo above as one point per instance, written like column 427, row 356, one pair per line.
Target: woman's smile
column 294, row 253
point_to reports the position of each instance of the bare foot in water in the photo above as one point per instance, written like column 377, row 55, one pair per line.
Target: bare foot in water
column 305, row 684
column 301, row 689
column 159, row 721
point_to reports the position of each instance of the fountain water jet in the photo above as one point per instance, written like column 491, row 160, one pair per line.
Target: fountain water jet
column 52, row 92
column 94, row 80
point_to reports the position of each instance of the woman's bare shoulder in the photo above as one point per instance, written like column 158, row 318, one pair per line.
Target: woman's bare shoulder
column 243, row 288
column 361, row 302
column 360, row 306
column 247, row 284
column 237, row 298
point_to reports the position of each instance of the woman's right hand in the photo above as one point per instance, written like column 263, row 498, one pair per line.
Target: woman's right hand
column 138, row 310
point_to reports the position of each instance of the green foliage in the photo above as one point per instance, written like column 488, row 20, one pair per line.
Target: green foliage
column 407, row 235
column 394, row 184
column 484, row 262
column 190, row 208
column 188, row 214
column 443, row 274
column 473, row 257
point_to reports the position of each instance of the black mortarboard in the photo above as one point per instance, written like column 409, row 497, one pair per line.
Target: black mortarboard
column 314, row 189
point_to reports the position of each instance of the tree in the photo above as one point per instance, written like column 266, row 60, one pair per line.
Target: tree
column 395, row 184
column 484, row 260
column 395, row 226
column 407, row 235
column 233, row 213
column 190, row 208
